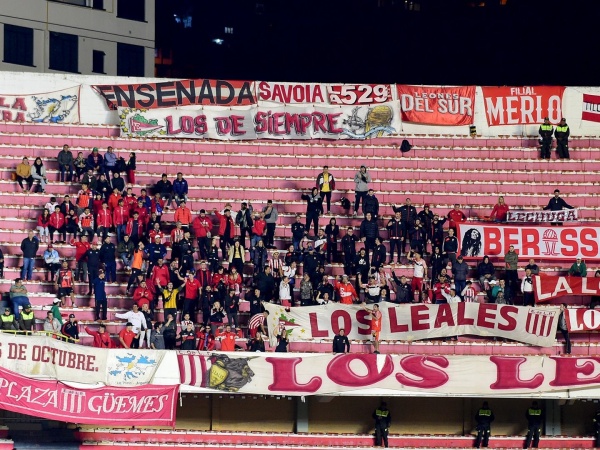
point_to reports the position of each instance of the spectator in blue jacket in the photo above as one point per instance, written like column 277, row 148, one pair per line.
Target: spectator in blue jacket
column 95, row 161
column 180, row 189
column 110, row 161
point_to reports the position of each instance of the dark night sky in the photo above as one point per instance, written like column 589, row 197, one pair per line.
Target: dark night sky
column 447, row 42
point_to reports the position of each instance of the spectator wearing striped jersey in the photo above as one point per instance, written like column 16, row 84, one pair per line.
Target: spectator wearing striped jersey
column 64, row 283
column 257, row 323
column 86, row 223
column 419, row 272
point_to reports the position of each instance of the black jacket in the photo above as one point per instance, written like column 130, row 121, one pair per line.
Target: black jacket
column 314, row 204
column 341, row 344
column 29, row 247
column 369, row 229
column 557, row 204
column 371, row 205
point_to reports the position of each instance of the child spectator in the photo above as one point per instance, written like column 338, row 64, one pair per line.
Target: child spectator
column 131, row 168
column 79, row 167
column 42, row 226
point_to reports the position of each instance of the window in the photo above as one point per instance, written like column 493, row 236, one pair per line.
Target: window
column 18, row 45
column 98, row 61
column 228, row 30
column 130, row 60
column 64, row 52
column 132, row 9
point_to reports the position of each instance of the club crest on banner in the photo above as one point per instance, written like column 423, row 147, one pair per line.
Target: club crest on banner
column 366, row 122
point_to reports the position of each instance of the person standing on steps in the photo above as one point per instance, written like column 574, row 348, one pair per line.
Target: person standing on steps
column 375, row 316
column 535, row 416
column 562, row 134
column 361, row 181
column 484, row 418
column 326, row 185
column 546, row 132
column 270, row 217
column 383, row 420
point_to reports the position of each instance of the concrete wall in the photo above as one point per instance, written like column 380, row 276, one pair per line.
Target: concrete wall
column 97, row 30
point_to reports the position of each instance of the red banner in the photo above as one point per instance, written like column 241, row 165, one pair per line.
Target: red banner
column 169, row 94
column 591, row 108
column 147, row 405
column 437, row 105
column 526, row 105
column 546, row 287
column 582, row 319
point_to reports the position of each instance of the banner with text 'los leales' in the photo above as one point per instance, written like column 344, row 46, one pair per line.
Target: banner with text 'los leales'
column 546, row 242
column 437, row 105
column 263, row 122
column 525, row 105
column 536, row 326
column 300, row 374
column 51, row 399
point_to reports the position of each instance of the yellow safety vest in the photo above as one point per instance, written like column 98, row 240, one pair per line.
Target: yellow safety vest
column 381, row 413
column 9, row 318
column 562, row 129
column 485, row 412
column 27, row 316
column 545, row 127
column 535, row 412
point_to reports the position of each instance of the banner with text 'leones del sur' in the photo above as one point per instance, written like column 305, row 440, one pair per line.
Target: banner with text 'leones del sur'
column 524, row 105
column 536, row 326
column 546, row 242
column 299, row 374
column 51, row 399
column 437, row 105
column 263, row 122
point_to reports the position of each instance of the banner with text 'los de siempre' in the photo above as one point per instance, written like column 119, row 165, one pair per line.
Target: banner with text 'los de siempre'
column 437, row 105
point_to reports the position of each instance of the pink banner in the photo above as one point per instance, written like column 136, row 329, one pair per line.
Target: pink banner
column 547, row 288
column 148, row 405
column 582, row 319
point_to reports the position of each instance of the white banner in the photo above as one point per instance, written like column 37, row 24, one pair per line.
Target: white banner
column 536, row 326
column 42, row 356
column 50, row 107
column 263, row 122
column 389, row 375
column 536, row 216
column 548, row 242
column 582, row 319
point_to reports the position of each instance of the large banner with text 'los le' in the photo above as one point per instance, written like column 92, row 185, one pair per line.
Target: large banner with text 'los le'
column 536, row 326
column 530, row 242
column 300, row 374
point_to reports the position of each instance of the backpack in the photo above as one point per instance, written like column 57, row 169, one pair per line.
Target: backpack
column 120, row 166
column 345, row 203
column 405, row 146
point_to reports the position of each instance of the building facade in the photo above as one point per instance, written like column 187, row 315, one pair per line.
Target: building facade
column 105, row 37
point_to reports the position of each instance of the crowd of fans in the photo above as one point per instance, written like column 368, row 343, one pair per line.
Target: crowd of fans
column 219, row 257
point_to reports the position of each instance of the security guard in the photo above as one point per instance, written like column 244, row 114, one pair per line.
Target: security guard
column 546, row 132
column 8, row 320
column 597, row 428
column 534, row 417
column 27, row 319
column 484, row 418
column 562, row 139
column 383, row 420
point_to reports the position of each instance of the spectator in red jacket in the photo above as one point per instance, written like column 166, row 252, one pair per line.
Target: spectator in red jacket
column 455, row 217
column 500, row 211
column 135, row 228
column 183, row 215
column 103, row 221
column 57, row 223
column 228, row 337
column 142, row 211
column 157, row 206
column 259, row 229
column 81, row 247
column 206, row 340
column 203, row 275
column 191, row 294
column 345, row 291
column 202, row 226
column 113, row 199
column 102, row 339
column 130, row 200
column 160, row 278
column 120, row 216
column 143, row 295
column 226, row 230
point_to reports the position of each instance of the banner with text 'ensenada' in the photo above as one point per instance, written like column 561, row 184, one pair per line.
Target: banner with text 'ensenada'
column 150, row 406
column 437, row 105
column 536, row 326
column 170, row 94
column 537, row 216
column 547, row 288
column 546, row 242
column 524, row 105
column 262, row 122
column 298, row 374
